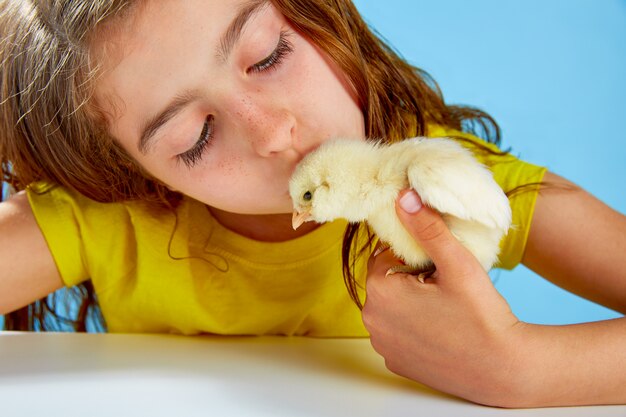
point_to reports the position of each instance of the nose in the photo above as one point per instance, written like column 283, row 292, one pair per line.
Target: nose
column 269, row 126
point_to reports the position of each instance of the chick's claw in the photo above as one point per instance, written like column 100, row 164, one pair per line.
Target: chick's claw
column 420, row 274
column 381, row 248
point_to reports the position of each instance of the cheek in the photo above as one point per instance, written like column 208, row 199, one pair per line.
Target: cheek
column 234, row 185
column 232, row 167
column 216, row 182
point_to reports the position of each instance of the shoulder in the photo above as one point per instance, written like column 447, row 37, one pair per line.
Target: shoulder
column 49, row 199
column 105, row 237
column 66, row 214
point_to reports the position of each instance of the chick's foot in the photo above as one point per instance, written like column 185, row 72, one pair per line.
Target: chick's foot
column 420, row 274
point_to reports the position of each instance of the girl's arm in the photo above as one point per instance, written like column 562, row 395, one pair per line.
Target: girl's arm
column 27, row 269
column 579, row 244
column 578, row 364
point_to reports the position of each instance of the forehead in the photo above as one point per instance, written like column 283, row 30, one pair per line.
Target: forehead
column 142, row 53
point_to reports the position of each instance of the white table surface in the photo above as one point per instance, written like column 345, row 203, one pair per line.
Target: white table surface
column 54, row 374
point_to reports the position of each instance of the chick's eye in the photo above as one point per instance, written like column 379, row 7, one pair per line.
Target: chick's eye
column 307, row 196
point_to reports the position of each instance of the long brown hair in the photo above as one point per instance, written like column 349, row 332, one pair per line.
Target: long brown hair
column 50, row 132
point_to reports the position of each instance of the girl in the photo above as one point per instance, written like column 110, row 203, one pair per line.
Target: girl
column 151, row 143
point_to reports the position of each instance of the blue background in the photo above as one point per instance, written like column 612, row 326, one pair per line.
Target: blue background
column 553, row 74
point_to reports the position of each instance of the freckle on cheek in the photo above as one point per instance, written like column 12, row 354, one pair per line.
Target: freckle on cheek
column 232, row 165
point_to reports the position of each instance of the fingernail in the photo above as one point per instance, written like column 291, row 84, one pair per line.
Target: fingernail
column 410, row 202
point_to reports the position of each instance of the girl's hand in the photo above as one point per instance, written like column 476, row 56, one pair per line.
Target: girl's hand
column 454, row 332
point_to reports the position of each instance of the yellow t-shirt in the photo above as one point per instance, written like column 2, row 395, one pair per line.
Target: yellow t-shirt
column 185, row 273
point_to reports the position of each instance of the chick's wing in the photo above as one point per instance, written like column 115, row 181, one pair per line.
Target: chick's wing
column 451, row 180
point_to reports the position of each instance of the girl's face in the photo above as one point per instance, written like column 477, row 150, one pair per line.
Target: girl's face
column 221, row 105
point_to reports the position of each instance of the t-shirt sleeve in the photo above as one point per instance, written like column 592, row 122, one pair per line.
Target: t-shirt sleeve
column 57, row 213
column 521, row 180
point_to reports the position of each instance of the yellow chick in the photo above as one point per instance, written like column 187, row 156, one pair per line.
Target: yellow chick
column 360, row 180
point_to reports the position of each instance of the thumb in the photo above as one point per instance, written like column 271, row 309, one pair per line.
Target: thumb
column 428, row 229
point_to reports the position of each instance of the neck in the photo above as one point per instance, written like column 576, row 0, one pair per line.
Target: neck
column 262, row 227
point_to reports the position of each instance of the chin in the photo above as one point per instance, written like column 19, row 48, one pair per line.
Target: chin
column 259, row 206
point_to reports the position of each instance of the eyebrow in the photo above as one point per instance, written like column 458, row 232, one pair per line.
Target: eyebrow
column 235, row 29
column 227, row 42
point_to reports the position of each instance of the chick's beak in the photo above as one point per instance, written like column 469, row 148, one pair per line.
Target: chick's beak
column 299, row 218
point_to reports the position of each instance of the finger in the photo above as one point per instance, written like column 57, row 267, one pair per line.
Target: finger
column 427, row 227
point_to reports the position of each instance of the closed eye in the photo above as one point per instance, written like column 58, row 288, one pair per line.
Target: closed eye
column 283, row 49
column 194, row 155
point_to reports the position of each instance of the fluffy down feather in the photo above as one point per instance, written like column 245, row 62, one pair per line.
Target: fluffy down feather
column 360, row 181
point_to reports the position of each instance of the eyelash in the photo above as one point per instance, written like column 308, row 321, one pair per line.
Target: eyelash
column 194, row 155
column 272, row 62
